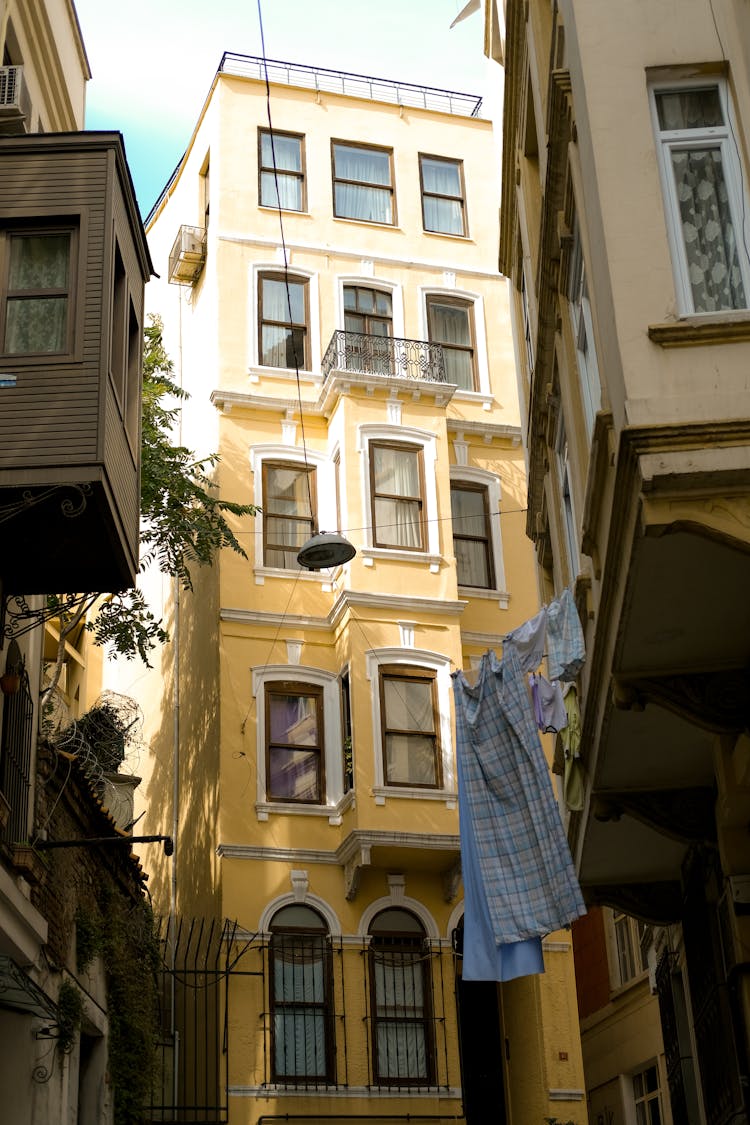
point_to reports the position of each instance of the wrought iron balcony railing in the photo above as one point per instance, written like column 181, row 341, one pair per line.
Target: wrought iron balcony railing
column 361, row 353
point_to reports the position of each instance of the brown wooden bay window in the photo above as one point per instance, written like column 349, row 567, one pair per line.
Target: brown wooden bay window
column 38, row 289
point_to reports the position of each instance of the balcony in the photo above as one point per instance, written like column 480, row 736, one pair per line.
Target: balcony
column 359, row 353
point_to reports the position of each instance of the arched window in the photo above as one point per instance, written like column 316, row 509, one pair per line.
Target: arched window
column 402, row 1043
column 301, row 996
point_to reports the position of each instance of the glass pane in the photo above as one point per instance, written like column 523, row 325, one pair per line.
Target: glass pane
column 371, row 204
column 289, row 533
column 294, row 775
column 290, row 191
column 298, row 916
column 293, row 719
column 468, row 512
column 640, row 1114
column 299, row 1038
column 288, row 152
column 39, row 261
column 276, row 301
column 445, row 216
column 638, row 1085
column 380, row 328
column 449, row 324
column 689, row 109
column 395, row 920
column 397, row 523
column 368, row 166
column 654, row 1113
column 652, row 1079
column 353, row 323
column 708, row 230
column 408, row 704
column 410, row 759
column 350, row 297
column 383, row 304
column 396, row 471
column 366, row 300
column 282, row 347
column 287, row 491
column 459, row 368
column 441, row 176
column 36, row 324
column 471, row 563
column 401, row 1051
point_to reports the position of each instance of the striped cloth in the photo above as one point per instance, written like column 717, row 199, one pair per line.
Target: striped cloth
column 566, row 653
column 509, row 818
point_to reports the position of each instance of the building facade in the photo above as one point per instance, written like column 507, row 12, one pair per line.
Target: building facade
column 624, row 231
column 73, row 265
column 339, row 322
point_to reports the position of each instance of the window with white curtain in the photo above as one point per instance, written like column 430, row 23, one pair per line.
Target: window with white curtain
column 705, row 200
column 288, row 512
column 450, row 322
column 281, row 170
column 409, row 724
column 443, row 207
column 363, row 183
column 471, row 534
column 402, row 1041
column 36, row 297
column 397, row 495
column 294, row 742
column 301, row 996
column 282, row 321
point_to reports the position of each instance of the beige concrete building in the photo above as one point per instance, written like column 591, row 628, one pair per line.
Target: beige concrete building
column 337, row 316
column 625, row 233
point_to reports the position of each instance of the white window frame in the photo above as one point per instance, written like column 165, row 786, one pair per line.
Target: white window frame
column 630, row 926
column 325, row 491
column 441, row 666
column 313, row 328
column 471, row 475
column 335, row 799
column 426, row 441
column 583, row 333
column 724, row 138
column 654, row 1095
column 480, row 333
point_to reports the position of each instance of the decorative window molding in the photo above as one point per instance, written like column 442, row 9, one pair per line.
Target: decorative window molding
column 475, row 305
column 289, row 899
column 396, row 291
column 426, row 442
column 416, row 659
column 705, row 200
column 482, row 478
column 324, row 495
column 332, row 750
column 312, row 318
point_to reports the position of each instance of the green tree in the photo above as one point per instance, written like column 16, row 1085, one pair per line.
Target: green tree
column 183, row 518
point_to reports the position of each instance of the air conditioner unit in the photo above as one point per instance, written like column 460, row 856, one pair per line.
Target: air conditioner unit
column 15, row 101
column 187, row 255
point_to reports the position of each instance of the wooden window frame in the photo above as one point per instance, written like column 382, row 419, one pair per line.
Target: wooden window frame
column 459, row 164
column 302, row 469
column 402, row 942
column 327, row 1006
column 412, row 674
column 293, row 279
column 471, row 486
column 367, row 317
column 390, row 187
column 268, row 169
column 467, row 305
column 31, row 228
column 297, row 688
column 407, row 448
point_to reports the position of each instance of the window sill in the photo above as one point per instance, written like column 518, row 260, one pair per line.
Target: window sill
column 701, row 329
column 263, row 809
column 370, row 554
column 475, row 396
column 503, row 599
column 263, row 572
column 366, row 223
column 287, row 210
column 447, row 234
column 257, row 370
column 382, row 792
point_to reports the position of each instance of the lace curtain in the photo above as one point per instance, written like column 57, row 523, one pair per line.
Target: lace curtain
column 37, row 323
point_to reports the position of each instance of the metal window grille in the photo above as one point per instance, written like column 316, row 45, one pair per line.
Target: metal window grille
column 15, row 751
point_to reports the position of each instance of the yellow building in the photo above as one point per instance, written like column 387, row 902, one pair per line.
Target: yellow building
column 624, row 230
column 339, row 321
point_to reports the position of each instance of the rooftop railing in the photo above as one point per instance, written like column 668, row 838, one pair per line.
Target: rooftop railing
column 363, row 354
column 354, row 85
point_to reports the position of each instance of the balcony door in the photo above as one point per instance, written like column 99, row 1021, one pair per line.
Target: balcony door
column 368, row 320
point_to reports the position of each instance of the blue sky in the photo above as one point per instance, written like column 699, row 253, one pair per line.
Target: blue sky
column 153, row 61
